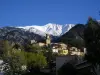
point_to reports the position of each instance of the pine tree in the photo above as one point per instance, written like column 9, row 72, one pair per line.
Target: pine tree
column 92, row 42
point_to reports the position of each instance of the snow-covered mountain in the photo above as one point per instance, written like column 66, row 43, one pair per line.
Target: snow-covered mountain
column 50, row 28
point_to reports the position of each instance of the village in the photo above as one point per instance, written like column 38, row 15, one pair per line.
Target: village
column 63, row 53
column 60, row 48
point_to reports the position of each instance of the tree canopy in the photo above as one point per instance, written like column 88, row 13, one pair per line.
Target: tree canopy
column 92, row 41
column 16, row 59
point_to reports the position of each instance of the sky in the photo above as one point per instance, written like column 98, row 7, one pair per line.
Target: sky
column 40, row 12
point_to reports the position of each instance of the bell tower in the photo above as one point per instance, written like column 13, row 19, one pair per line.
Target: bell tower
column 48, row 40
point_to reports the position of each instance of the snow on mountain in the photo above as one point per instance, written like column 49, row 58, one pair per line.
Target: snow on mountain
column 32, row 29
column 50, row 28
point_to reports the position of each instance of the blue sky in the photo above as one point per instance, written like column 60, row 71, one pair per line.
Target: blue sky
column 40, row 12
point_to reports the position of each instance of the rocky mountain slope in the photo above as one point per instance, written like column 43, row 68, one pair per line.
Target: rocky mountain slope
column 18, row 35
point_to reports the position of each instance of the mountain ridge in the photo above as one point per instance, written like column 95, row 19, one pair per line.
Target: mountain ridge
column 18, row 35
column 50, row 28
column 67, row 33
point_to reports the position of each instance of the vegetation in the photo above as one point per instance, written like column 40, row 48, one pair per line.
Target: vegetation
column 13, row 59
column 35, row 61
column 90, row 39
column 20, row 61
column 30, row 58
column 32, row 48
column 74, row 36
column 92, row 43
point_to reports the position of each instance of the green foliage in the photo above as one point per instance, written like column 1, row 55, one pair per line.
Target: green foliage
column 35, row 60
column 32, row 48
column 7, row 48
column 92, row 41
column 1, row 48
column 17, row 46
column 15, row 60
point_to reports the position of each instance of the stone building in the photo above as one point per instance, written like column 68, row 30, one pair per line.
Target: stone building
column 48, row 39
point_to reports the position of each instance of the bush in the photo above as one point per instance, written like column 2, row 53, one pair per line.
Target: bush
column 35, row 61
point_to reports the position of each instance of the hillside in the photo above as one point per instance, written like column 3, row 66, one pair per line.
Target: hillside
column 18, row 35
column 75, row 36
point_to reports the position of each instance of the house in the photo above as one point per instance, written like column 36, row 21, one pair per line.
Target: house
column 33, row 41
column 63, row 52
column 59, row 48
column 63, row 46
column 76, row 51
column 54, row 50
column 41, row 44
column 54, row 47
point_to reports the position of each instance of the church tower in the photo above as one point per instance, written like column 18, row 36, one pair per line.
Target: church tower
column 48, row 40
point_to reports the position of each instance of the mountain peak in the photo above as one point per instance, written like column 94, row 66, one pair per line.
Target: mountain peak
column 50, row 28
